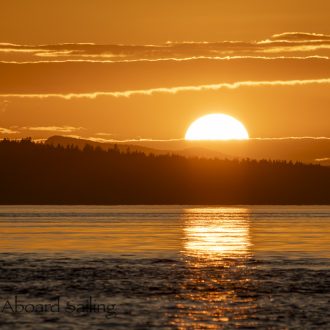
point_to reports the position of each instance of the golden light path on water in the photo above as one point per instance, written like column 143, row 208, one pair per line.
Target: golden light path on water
column 213, row 233
column 216, row 246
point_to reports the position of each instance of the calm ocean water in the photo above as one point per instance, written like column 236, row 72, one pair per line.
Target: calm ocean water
column 164, row 267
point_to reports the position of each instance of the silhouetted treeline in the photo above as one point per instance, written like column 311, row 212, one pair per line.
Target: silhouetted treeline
column 43, row 174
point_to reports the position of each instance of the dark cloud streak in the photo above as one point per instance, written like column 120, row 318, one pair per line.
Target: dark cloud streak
column 292, row 43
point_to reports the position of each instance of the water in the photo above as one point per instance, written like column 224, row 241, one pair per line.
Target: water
column 165, row 267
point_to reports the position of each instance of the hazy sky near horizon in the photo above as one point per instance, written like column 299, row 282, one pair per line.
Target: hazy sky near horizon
column 125, row 69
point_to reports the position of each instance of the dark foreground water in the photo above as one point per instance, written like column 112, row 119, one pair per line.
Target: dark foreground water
column 169, row 267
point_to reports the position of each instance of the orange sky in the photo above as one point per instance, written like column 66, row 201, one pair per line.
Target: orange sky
column 156, row 21
column 150, row 67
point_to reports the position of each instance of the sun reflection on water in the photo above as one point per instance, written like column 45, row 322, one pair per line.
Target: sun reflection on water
column 213, row 233
column 216, row 249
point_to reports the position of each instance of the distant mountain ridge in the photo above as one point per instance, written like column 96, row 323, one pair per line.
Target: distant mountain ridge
column 123, row 147
column 307, row 150
column 81, row 143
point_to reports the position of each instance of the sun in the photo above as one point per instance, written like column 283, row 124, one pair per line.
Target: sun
column 216, row 126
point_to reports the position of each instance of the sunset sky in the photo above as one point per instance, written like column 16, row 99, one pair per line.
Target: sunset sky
column 117, row 70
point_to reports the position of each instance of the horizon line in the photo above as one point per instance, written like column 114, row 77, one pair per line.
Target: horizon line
column 100, row 140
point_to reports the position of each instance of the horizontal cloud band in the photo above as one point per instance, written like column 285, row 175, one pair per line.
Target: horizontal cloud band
column 284, row 43
column 173, row 90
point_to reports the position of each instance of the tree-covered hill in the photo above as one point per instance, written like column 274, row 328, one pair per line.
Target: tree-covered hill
column 33, row 173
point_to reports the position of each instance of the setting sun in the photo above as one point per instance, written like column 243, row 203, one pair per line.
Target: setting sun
column 216, row 127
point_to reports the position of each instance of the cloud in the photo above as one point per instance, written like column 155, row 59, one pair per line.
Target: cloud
column 322, row 159
column 102, row 140
column 74, row 136
column 286, row 138
column 293, row 138
column 60, row 129
column 300, row 36
column 169, row 59
column 284, row 47
column 104, row 134
column 173, row 90
column 294, row 43
column 7, row 131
